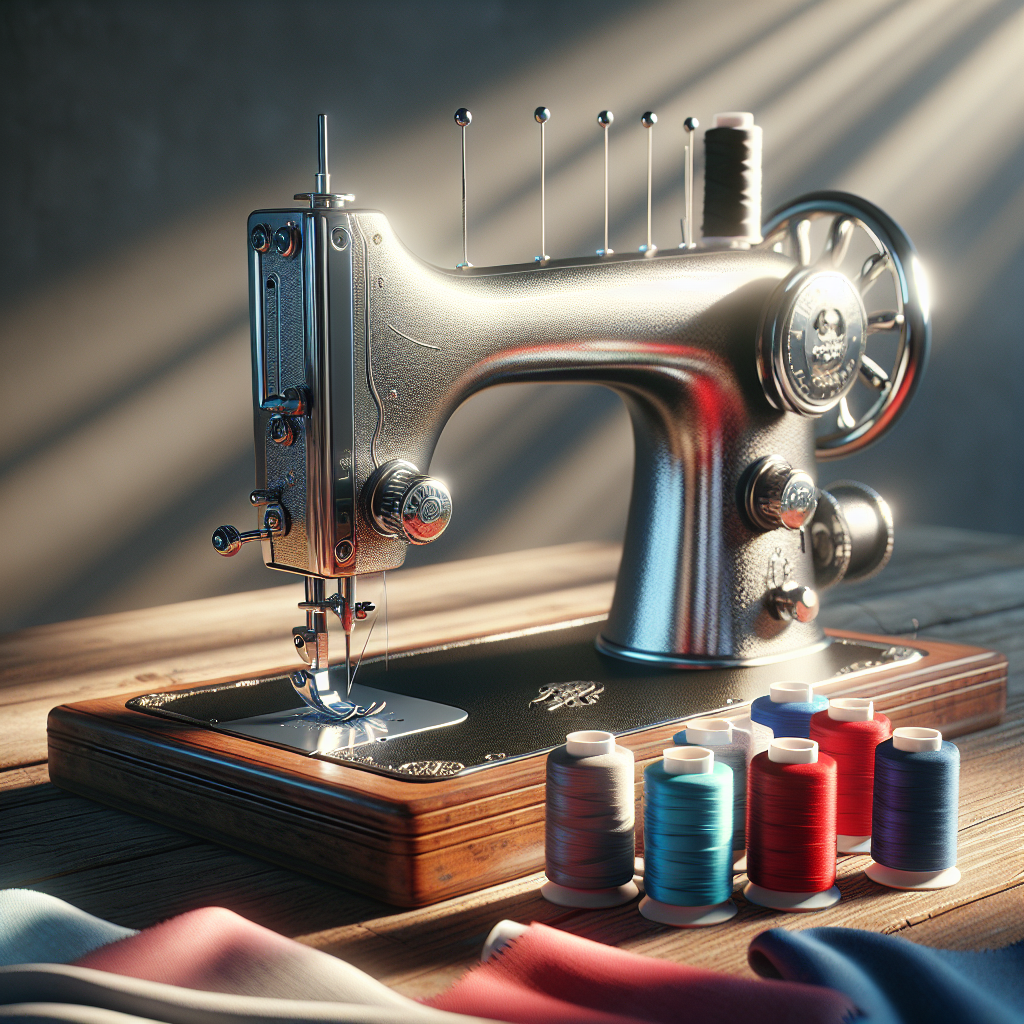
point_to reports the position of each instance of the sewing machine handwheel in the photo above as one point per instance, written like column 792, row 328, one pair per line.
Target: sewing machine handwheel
column 857, row 238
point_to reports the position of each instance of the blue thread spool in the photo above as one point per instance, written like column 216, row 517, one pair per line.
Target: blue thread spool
column 786, row 711
column 688, row 839
column 731, row 746
column 914, row 812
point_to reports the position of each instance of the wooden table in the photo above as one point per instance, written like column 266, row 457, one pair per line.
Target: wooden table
column 943, row 583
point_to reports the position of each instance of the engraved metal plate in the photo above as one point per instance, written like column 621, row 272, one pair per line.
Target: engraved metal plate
column 468, row 706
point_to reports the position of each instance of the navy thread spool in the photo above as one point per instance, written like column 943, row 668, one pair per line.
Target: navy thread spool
column 688, row 799
column 914, row 813
column 732, row 746
column 589, row 842
column 786, row 711
column 791, row 827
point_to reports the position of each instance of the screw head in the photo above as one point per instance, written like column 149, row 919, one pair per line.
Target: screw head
column 286, row 241
column 605, row 118
column 691, row 124
column 260, row 238
column 339, row 239
column 542, row 115
column 343, row 551
column 649, row 119
column 463, row 117
column 281, row 431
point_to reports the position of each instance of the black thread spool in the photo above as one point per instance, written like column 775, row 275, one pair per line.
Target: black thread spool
column 732, row 182
column 589, row 843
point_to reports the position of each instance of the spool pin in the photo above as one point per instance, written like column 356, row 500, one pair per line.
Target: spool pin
column 792, row 750
column 914, row 740
column 590, row 743
column 687, row 761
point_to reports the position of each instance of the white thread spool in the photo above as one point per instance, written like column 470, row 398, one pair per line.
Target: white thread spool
column 604, row 837
column 732, row 744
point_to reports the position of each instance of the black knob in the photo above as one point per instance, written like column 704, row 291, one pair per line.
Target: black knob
column 227, row 540
column 286, row 241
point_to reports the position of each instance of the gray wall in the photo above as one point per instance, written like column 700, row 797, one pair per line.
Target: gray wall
column 135, row 138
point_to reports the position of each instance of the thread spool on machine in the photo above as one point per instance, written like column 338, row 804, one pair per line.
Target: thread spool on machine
column 361, row 353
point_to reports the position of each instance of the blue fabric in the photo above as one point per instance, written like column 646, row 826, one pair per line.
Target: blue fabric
column 895, row 981
column 40, row 929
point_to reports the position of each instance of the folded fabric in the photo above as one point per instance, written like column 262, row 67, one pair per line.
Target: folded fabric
column 36, row 928
column 895, row 981
column 546, row 976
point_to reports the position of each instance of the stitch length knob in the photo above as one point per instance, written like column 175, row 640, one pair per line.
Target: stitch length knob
column 405, row 503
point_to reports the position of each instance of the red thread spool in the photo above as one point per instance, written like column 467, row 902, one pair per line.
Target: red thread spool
column 791, row 827
column 848, row 732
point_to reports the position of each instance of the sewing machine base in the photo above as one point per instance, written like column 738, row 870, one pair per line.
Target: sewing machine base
column 432, row 814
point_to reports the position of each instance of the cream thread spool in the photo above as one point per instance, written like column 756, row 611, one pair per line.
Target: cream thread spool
column 733, row 745
column 589, row 817
column 696, row 764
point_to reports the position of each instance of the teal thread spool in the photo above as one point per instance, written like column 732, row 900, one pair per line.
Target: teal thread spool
column 688, row 829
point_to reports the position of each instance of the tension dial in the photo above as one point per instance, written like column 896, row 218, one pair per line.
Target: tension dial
column 858, row 386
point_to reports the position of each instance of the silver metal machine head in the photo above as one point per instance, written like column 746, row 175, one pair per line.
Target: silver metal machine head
column 729, row 357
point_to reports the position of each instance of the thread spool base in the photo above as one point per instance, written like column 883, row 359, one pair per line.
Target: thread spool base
column 589, row 899
column 853, row 844
column 686, row 917
column 792, row 902
column 739, row 861
column 896, row 878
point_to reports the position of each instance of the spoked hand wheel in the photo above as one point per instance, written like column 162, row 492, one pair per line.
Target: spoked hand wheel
column 829, row 232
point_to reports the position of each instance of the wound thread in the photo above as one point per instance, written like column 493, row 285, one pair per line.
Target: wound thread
column 791, row 824
column 589, row 818
column 851, row 745
column 736, row 754
column 914, row 812
column 732, row 180
column 688, row 835
column 787, row 718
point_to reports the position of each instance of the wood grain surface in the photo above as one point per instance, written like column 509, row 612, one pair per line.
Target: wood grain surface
column 954, row 585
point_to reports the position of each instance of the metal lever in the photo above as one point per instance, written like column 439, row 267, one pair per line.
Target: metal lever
column 294, row 402
column 228, row 541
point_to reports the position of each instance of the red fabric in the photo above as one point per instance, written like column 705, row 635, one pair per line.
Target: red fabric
column 548, row 976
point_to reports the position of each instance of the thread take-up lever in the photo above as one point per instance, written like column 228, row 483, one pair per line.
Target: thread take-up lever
column 322, row 197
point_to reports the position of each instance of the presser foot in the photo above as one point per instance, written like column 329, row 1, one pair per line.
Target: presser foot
column 315, row 690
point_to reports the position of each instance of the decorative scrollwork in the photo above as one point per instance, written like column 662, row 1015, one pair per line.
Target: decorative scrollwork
column 576, row 694
column 431, row 768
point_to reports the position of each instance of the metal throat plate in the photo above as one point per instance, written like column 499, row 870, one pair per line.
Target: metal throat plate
column 465, row 706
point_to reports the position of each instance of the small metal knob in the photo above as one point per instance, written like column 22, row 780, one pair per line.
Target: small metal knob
column 405, row 503
column 851, row 534
column 793, row 601
column 228, row 541
column 779, row 495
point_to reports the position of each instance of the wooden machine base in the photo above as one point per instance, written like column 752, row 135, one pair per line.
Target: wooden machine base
column 413, row 843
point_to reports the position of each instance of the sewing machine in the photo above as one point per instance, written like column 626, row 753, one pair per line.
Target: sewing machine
column 741, row 361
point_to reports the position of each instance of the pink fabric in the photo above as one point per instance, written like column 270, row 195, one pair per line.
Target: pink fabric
column 548, row 976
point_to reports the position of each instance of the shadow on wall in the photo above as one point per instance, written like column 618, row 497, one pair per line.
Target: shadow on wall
column 138, row 138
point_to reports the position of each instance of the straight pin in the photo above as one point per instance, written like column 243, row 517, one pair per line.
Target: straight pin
column 649, row 120
column 463, row 118
column 690, row 125
column 542, row 115
column 604, row 119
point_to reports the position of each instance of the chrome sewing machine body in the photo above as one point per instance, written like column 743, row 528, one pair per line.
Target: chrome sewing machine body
column 729, row 357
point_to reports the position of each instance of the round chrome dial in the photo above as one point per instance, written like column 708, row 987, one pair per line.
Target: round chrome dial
column 811, row 342
column 405, row 503
column 779, row 495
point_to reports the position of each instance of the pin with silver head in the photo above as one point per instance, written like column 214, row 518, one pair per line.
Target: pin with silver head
column 463, row 118
column 604, row 119
column 542, row 115
column 649, row 120
column 690, row 125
